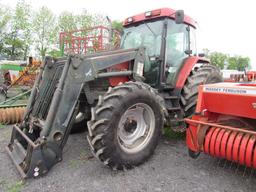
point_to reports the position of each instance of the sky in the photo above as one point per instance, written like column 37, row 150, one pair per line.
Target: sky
column 225, row 26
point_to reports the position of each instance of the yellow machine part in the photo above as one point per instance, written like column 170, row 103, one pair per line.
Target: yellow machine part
column 11, row 115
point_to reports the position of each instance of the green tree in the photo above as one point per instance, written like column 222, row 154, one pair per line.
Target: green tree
column 24, row 17
column 117, row 25
column 218, row 59
column 13, row 46
column 98, row 19
column 17, row 38
column 67, row 21
column 84, row 20
column 5, row 17
column 55, row 53
column 46, row 30
column 4, row 20
column 238, row 63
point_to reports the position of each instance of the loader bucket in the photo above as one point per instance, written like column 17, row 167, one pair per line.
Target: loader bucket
column 31, row 158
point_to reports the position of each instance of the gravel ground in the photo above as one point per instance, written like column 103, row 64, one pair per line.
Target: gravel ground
column 170, row 169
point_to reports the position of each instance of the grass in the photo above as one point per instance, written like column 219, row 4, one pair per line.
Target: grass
column 2, row 183
column 1, row 126
column 16, row 187
column 169, row 133
column 82, row 158
column 74, row 163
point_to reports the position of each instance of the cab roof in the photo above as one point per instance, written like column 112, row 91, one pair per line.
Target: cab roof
column 157, row 13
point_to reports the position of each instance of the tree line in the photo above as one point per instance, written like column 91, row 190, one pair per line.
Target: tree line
column 225, row 61
column 23, row 29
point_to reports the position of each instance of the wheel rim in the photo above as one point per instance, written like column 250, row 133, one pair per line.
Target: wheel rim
column 136, row 128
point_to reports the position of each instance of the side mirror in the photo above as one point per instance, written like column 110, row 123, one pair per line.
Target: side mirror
column 179, row 16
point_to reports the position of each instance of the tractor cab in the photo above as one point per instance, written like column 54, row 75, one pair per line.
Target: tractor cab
column 169, row 38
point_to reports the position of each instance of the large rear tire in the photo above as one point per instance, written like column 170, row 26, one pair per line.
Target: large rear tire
column 126, row 125
column 205, row 74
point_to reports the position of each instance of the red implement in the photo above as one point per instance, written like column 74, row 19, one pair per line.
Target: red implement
column 225, row 123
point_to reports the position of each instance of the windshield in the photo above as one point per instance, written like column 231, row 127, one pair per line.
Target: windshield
column 180, row 40
column 193, row 47
column 178, row 45
column 149, row 35
column 146, row 34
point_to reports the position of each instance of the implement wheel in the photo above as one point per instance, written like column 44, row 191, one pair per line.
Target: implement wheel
column 193, row 154
column 126, row 125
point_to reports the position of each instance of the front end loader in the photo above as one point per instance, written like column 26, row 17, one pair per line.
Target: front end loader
column 125, row 95
column 37, row 143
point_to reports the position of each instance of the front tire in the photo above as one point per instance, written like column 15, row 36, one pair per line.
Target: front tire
column 126, row 125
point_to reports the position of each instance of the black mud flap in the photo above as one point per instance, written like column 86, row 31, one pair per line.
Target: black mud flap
column 32, row 159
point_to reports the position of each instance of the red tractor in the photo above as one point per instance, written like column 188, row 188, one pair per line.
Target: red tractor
column 124, row 95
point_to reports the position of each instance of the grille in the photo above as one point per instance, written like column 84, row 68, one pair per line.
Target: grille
column 47, row 88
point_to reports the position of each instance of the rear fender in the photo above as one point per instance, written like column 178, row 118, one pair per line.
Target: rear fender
column 187, row 68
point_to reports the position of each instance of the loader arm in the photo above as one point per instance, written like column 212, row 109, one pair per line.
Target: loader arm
column 37, row 143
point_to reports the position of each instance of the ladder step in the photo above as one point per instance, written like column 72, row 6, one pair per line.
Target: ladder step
column 168, row 88
column 171, row 97
column 174, row 109
column 176, row 120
